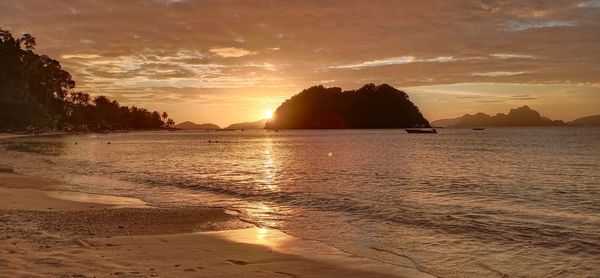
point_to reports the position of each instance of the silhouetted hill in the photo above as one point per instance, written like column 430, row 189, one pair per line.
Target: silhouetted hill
column 522, row 116
column 192, row 125
column 370, row 106
column 445, row 122
column 586, row 121
column 260, row 124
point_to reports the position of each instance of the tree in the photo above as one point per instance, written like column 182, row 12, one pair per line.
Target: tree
column 170, row 123
column 28, row 41
column 36, row 93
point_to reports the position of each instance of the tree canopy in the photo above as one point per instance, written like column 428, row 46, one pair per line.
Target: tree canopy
column 36, row 93
column 371, row 106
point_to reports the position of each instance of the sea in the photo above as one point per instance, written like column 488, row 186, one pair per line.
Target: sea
column 500, row 202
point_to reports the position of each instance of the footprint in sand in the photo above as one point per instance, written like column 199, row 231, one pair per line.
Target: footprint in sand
column 238, row 262
column 48, row 261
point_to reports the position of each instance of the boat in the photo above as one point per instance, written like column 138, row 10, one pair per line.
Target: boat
column 420, row 130
column 478, row 128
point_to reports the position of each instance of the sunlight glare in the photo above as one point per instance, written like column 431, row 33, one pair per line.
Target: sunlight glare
column 268, row 114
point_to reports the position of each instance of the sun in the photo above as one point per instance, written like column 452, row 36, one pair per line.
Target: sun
column 268, row 114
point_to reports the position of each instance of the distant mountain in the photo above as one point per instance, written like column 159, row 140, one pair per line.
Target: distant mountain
column 445, row 122
column 191, row 125
column 586, row 121
column 260, row 124
column 370, row 106
column 522, row 116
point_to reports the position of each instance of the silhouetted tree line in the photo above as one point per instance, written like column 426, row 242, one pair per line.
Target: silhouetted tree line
column 371, row 106
column 37, row 94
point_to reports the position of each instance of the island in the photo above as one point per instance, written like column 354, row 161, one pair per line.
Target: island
column 522, row 116
column 586, row 121
column 260, row 124
column 371, row 106
column 187, row 125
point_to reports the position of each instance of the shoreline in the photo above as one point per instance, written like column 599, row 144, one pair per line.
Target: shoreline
column 49, row 231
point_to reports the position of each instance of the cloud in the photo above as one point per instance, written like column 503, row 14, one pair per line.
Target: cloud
column 80, row 56
column 499, row 73
column 589, row 4
column 491, row 101
column 523, row 97
column 396, row 61
column 231, row 52
column 169, row 2
column 511, row 56
column 525, row 25
column 154, row 69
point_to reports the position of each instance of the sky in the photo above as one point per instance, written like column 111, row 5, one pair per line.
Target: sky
column 223, row 61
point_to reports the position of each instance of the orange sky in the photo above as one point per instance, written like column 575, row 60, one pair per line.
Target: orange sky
column 229, row 61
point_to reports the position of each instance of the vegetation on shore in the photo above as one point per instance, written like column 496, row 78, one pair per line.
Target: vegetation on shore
column 37, row 94
column 371, row 106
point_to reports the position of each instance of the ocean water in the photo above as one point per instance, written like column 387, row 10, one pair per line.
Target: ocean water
column 503, row 202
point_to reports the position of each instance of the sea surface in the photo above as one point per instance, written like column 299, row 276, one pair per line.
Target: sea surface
column 502, row 202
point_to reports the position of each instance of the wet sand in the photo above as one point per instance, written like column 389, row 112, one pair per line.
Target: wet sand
column 46, row 231
column 9, row 135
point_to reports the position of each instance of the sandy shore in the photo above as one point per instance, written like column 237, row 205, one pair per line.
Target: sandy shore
column 46, row 232
column 9, row 135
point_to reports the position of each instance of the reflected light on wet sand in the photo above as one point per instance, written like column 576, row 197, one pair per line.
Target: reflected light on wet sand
column 114, row 201
column 283, row 243
column 270, row 238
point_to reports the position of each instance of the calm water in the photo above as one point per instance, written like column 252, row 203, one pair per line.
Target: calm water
column 500, row 202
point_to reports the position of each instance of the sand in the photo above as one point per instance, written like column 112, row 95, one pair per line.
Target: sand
column 46, row 231
column 9, row 135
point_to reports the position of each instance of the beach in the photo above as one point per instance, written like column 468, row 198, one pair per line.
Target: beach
column 48, row 232
column 384, row 203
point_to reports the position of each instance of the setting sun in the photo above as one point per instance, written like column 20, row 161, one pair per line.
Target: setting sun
column 268, row 114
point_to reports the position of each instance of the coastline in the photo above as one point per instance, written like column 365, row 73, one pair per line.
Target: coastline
column 47, row 231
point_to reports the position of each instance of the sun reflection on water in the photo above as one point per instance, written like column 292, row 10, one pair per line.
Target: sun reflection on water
column 268, row 167
column 268, row 215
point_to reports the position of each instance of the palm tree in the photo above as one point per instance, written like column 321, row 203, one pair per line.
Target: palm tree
column 170, row 123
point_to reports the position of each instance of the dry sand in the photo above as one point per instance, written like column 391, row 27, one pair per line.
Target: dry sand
column 46, row 232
